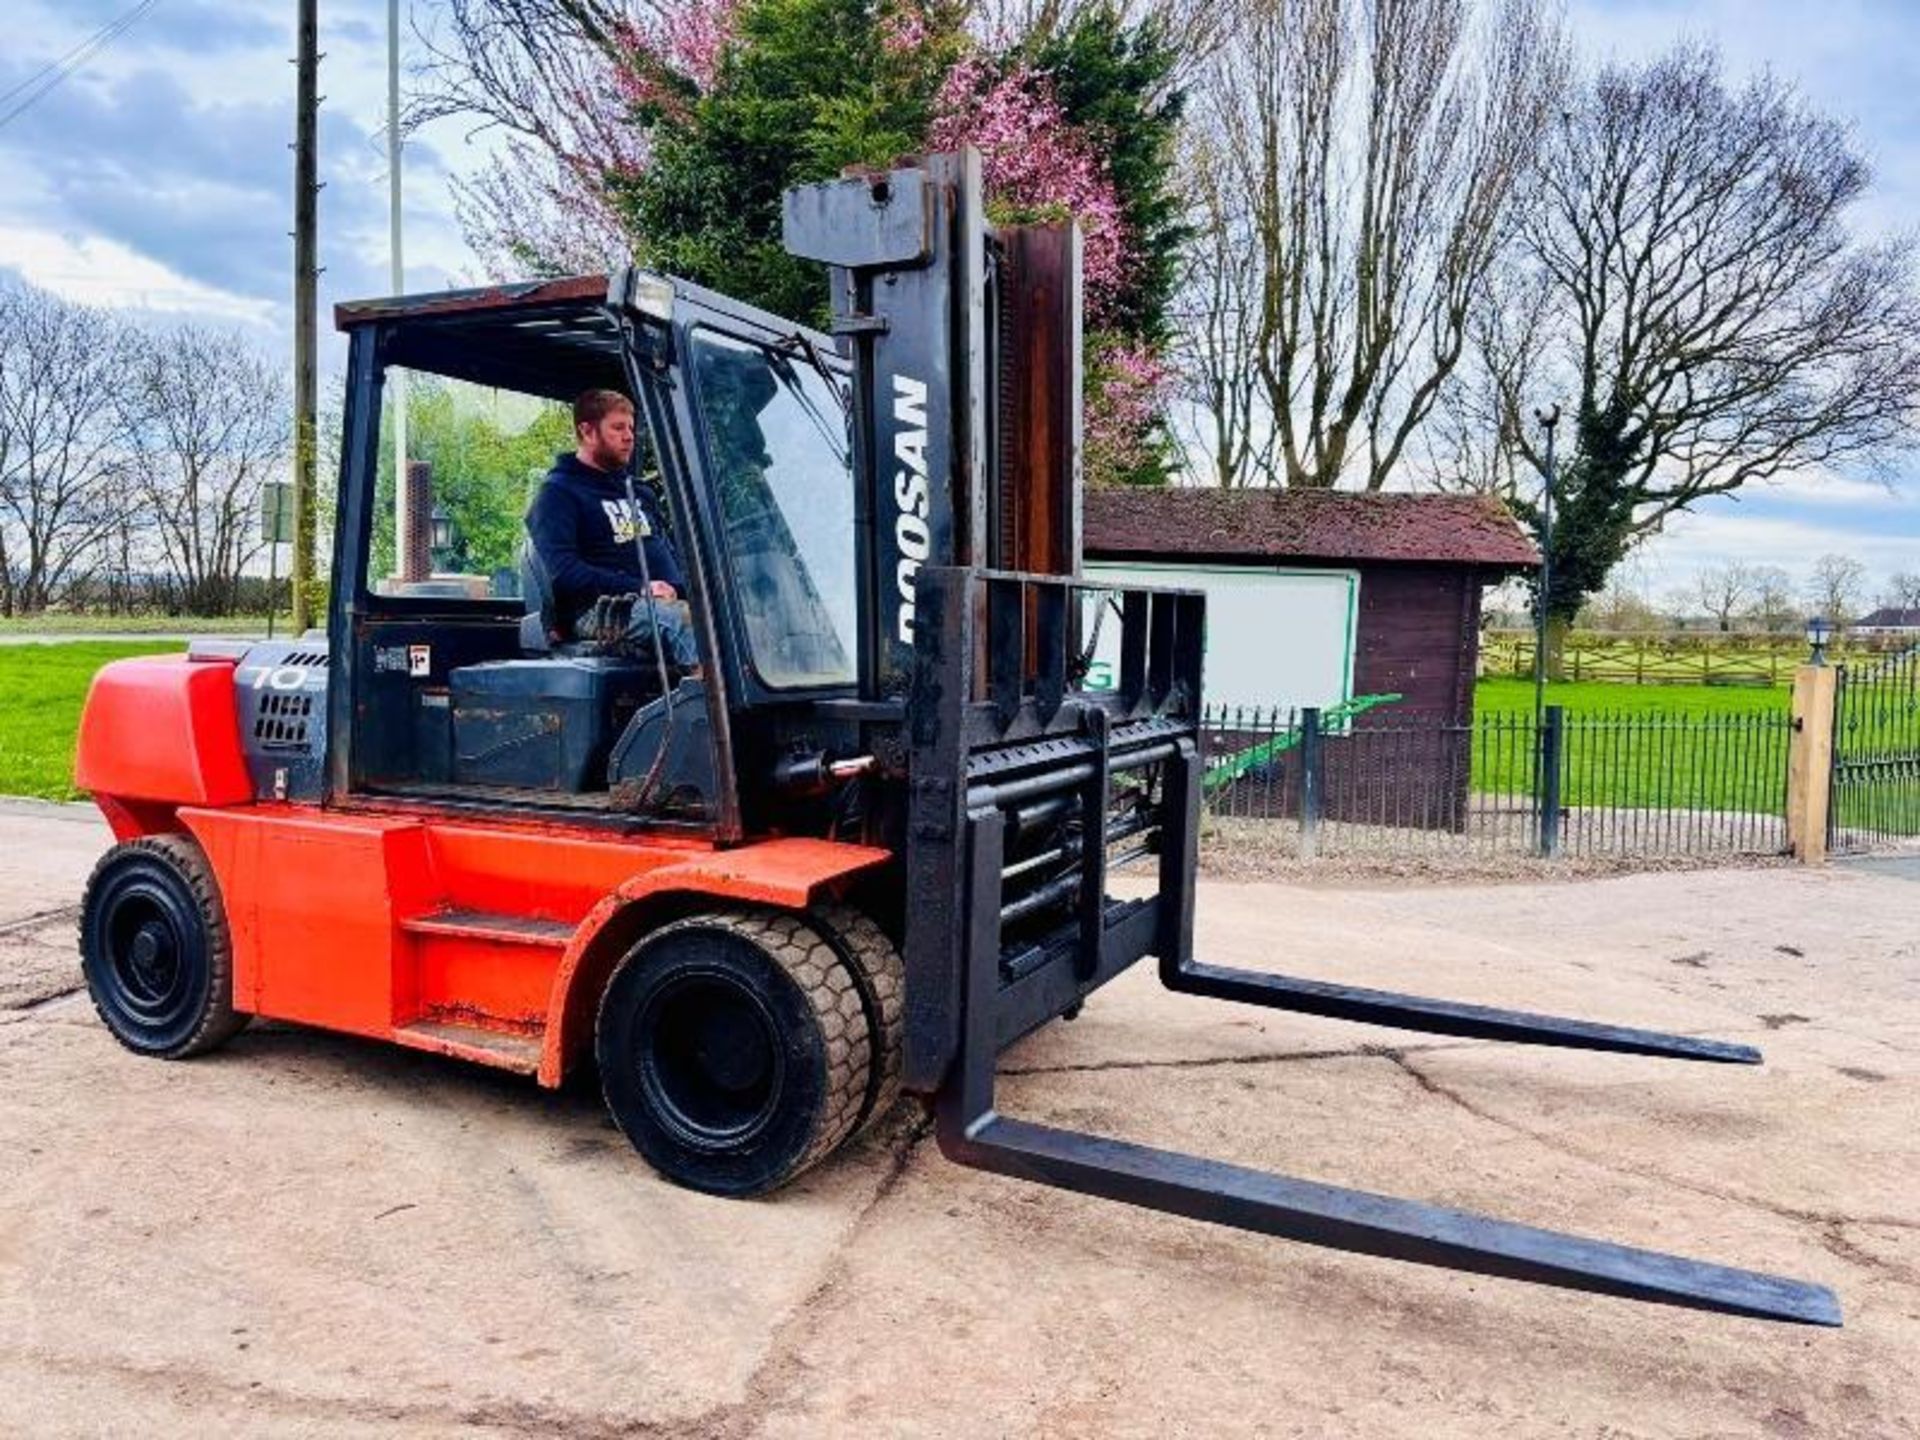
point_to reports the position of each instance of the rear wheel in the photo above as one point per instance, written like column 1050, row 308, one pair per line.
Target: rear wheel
column 733, row 1050
column 155, row 949
column 877, row 968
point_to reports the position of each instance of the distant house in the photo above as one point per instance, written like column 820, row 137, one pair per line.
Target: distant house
column 1314, row 598
column 1888, row 620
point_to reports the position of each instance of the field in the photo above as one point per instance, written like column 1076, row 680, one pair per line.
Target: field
column 1693, row 747
column 83, row 625
column 1593, row 698
column 44, row 687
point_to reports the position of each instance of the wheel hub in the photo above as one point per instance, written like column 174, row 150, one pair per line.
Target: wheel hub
column 710, row 1060
column 144, row 948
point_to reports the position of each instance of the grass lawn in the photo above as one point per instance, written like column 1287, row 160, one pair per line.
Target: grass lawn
column 1694, row 747
column 81, row 625
column 45, row 686
column 1598, row 697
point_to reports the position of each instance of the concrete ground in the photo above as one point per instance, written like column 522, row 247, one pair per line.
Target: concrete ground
column 306, row 1234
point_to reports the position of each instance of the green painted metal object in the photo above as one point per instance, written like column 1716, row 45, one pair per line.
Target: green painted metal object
column 1225, row 769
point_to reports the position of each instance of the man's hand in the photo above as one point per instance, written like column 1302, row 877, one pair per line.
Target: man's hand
column 661, row 590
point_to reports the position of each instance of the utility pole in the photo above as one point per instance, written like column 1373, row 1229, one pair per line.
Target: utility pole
column 306, row 195
column 397, row 379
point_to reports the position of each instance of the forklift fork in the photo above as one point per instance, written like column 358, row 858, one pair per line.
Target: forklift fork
column 981, row 975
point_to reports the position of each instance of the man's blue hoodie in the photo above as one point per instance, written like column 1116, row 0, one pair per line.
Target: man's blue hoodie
column 583, row 530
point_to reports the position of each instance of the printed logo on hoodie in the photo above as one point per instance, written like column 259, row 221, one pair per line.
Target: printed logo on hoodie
column 621, row 519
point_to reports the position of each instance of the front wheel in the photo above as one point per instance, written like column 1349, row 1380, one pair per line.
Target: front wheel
column 734, row 1050
column 155, row 950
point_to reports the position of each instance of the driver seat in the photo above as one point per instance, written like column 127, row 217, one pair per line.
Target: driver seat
column 540, row 632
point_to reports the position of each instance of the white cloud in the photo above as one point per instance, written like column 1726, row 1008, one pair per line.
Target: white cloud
column 244, row 72
column 1691, row 543
column 1830, row 488
column 94, row 271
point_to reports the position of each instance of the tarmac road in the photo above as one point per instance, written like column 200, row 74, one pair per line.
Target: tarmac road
column 311, row 1235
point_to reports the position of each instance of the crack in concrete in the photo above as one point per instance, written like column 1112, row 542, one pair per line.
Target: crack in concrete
column 45, row 1002
column 196, row 1385
column 1826, row 1224
column 767, row 1388
column 44, row 917
column 764, row 1392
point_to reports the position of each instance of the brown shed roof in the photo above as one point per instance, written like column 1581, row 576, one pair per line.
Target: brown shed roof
column 1304, row 525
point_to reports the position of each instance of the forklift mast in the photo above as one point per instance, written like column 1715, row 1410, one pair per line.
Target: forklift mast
column 966, row 394
column 1026, row 787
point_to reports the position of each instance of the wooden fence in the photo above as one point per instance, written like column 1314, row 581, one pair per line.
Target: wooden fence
column 1668, row 659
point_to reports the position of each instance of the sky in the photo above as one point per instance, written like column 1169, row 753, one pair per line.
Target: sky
column 159, row 177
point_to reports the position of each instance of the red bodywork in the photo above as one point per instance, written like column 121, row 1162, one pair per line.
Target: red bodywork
column 487, row 940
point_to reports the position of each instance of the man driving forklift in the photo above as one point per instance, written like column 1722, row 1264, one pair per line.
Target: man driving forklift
column 583, row 524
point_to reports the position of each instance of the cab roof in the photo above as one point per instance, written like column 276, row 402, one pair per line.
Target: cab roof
column 551, row 337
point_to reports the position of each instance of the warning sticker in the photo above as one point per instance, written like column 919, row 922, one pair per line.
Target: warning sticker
column 419, row 659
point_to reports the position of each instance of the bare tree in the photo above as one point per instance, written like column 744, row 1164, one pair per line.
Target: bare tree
column 539, row 73
column 1774, row 606
column 1222, row 424
column 1723, row 591
column 1903, row 590
column 1380, row 145
column 207, row 419
column 1620, row 608
column 1835, row 587
column 59, row 450
column 1697, row 295
column 1195, row 29
column 1676, row 611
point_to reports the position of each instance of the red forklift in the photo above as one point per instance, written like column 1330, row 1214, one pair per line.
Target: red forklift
column 863, row 846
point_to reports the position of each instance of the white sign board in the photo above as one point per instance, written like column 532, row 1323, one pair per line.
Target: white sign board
column 1274, row 637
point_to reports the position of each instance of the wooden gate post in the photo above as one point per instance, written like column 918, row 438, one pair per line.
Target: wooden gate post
column 1810, row 763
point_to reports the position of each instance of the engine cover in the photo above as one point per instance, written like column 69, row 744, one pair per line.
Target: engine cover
column 280, row 688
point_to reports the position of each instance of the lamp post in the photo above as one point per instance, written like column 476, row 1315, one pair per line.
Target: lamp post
column 1549, row 420
column 1819, row 636
column 441, row 537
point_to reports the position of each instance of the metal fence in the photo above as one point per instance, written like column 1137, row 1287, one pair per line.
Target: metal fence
column 1876, row 756
column 1504, row 783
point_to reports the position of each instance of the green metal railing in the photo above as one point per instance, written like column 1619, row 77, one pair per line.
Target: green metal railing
column 1565, row 783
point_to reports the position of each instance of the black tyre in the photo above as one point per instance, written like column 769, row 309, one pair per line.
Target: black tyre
column 733, row 1050
column 155, row 949
column 877, row 968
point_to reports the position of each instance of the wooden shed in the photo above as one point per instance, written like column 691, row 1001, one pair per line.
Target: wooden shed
column 1422, row 562
column 1416, row 566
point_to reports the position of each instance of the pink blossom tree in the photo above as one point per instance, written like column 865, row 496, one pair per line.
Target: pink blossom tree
column 1036, row 164
column 615, row 134
column 566, row 85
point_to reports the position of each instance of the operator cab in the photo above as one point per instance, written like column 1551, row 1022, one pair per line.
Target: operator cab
column 451, row 675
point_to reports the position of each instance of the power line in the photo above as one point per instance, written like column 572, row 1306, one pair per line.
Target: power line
column 44, row 81
column 80, row 53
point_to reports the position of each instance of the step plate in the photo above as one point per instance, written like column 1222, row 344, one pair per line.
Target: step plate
column 480, row 925
column 500, row 1049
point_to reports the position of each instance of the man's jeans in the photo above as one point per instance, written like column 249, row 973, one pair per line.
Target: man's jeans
column 624, row 624
column 676, row 631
